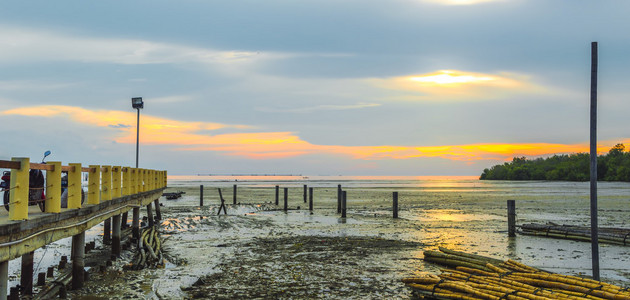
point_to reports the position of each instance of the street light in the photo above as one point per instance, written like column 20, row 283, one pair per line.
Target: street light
column 137, row 103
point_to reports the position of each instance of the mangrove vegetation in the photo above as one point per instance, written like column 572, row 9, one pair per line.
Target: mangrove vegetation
column 612, row 166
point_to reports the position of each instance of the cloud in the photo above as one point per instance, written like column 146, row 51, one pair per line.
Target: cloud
column 194, row 136
column 318, row 108
column 19, row 45
column 458, row 85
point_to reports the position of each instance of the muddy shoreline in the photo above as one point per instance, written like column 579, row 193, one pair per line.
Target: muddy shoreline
column 260, row 252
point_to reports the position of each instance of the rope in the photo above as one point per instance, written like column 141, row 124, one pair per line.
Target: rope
column 537, row 290
column 592, row 289
column 435, row 286
column 508, row 273
column 625, row 237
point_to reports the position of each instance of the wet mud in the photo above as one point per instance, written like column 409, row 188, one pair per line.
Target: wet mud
column 260, row 252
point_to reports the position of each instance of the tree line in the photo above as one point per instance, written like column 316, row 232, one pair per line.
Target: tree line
column 613, row 166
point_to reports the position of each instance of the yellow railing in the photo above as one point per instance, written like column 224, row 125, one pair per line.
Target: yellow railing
column 104, row 184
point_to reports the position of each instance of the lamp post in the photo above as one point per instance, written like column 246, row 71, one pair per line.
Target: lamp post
column 137, row 103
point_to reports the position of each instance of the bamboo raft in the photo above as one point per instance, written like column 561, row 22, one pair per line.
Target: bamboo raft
column 618, row 236
column 149, row 250
column 479, row 277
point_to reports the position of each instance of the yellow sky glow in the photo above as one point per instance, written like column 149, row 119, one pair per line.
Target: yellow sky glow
column 198, row 136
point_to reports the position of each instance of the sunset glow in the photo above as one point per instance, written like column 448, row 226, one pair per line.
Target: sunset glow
column 187, row 136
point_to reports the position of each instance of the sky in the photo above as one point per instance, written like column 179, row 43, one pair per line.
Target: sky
column 325, row 87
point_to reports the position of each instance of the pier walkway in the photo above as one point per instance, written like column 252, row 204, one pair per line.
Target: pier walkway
column 111, row 192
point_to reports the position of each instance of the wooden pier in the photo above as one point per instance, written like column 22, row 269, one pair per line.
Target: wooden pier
column 111, row 192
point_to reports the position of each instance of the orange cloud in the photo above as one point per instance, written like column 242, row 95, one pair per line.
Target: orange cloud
column 197, row 136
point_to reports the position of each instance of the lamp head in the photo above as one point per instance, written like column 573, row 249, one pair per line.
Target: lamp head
column 136, row 102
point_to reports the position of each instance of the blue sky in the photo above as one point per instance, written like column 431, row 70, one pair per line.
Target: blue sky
column 407, row 87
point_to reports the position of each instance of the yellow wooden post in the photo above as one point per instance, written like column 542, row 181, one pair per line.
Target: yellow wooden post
column 126, row 181
column 152, row 180
column 94, row 189
column 106, row 183
column 165, row 178
column 116, row 188
column 53, row 188
column 18, row 194
column 74, row 186
column 142, row 180
column 133, row 178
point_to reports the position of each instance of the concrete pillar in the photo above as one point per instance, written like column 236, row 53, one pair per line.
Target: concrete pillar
column 150, row 215
column 135, row 223
column 107, row 231
column 116, row 235
column 78, row 263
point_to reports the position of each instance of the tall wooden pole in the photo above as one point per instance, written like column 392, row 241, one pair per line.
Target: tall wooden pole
column 594, row 225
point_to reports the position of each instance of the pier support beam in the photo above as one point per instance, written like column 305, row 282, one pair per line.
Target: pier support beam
column 4, row 279
column 26, row 279
column 135, row 223
column 158, row 214
column 107, row 231
column 116, row 235
column 78, row 263
column 150, row 215
column 123, row 220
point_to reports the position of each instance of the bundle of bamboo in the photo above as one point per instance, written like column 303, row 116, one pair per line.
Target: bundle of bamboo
column 619, row 236
column 149, row 252
column 479, row 277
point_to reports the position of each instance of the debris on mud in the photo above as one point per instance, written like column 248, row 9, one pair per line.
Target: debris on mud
column 306, row 267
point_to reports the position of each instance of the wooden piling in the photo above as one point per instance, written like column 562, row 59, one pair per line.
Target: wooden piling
column 158, row 213
column 26, row 279
column 234, row 197
column 41, row 278
column 107, row 231
column 201, row 195
column 286, row 199
column 150, row 215
column 50, row 272
column 343, row 204
column 78, row 263
column 116, row 235
column 511, row 207
column 135, row 223
column 305, row 189
column 277, row 194
column 339, row 195
column 15, row 293
column 4, row 279
column 310, row 199
column 395, row 205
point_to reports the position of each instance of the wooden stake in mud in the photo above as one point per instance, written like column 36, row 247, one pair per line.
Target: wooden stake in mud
column 511, row 211
column 26, row 279
column 41, row 278
column 310, row 199
column 277, row 194
column 286, row 199
column 305, row 188
column 339, row 198
column 234, row 198
column 123, row 220
column 78, row 263
column 594, row 225
column 395, row 204
column 343, row 204
column 222, row 207
column 201, row 195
